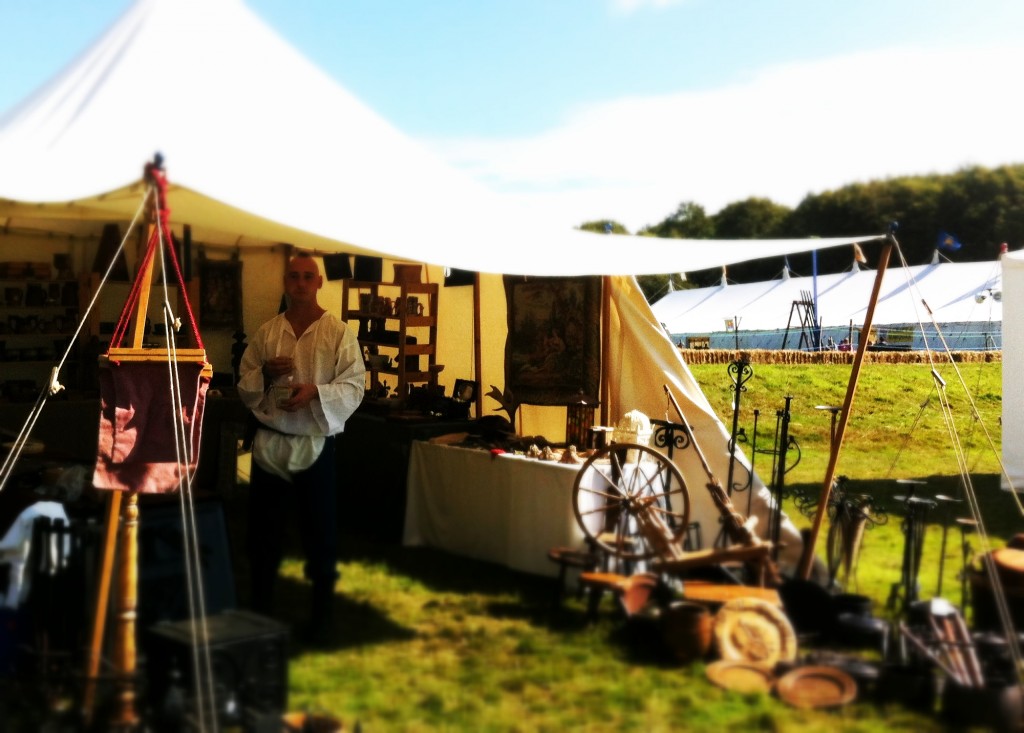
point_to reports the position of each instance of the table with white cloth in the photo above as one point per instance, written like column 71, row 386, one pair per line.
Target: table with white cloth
column 502, row 508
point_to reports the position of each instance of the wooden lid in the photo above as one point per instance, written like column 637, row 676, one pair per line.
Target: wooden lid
column 816, row 687
column 745, row 677
column 753, row 630
column 1010, row 562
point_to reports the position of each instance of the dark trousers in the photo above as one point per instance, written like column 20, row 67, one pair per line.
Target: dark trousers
column 312, row 495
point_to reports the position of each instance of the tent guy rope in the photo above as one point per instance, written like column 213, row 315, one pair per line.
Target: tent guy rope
column 136, row 461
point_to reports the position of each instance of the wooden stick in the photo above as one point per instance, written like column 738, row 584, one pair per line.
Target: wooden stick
column 921, row 647
column 959, row 673
column 807, row 559
column 974, row 670
column 606, row 346
column 99, row 621
column 142, row 309
column 477, row 359
column 733, row 521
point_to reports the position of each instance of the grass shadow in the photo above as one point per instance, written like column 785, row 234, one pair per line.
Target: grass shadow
column 355, row 624
column 444, row 572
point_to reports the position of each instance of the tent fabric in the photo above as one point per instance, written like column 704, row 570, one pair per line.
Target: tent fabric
column 951, row 291
column 257, row 136
column 262, row 147
column 1013, row 367
column 641, row 383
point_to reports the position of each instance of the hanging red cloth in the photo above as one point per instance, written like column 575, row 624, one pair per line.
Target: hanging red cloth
column 147, row 441
column 136, row 450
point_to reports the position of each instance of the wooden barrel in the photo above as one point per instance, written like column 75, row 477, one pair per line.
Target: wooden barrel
column 686, row 629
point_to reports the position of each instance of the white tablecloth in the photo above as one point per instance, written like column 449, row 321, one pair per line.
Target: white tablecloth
column 511, row 510
column 502, row 509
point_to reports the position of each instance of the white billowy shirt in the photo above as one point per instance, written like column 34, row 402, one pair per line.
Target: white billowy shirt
column 327, row 354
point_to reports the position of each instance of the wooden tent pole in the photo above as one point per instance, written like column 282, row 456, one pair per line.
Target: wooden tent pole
column 807, row 558
column 477, row 360
column 126, row 716
column 128, row 543
column 99, row 621
column 606, row 346
column 127, row 588
column 146, row 278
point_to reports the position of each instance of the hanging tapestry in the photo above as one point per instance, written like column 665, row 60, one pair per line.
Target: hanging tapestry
column 220, row 294
column 553, row 348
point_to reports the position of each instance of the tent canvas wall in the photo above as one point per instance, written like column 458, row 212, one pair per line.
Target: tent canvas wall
column 1013, row 364
column 263, row 148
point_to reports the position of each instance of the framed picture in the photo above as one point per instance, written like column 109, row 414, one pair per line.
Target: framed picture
column 553, row 351
column 464, row 390
column 220, row 294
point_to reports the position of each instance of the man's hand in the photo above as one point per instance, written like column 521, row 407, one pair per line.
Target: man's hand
column 302, row 395
column 279, row 366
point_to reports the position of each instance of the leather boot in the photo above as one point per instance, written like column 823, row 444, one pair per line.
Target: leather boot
column 321, row 618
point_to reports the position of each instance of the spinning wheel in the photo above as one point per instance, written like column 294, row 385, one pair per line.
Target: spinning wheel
column 632, row 509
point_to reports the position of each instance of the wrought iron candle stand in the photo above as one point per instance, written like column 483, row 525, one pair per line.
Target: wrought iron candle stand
column 672, row 437
column 740, row 373
column 784, row 443
column 915, row 522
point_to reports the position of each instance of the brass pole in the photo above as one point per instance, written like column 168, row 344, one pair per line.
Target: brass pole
column 807, row 559
column 127, row 586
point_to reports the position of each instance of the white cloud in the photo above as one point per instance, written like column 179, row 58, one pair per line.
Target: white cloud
column 788, row 131
column 627, row 7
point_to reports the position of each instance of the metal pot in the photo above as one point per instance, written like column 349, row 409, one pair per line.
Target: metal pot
column 852, row 603
column 998, row 708
column 916, row 686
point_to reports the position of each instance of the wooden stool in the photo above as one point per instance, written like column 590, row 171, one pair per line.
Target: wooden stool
column 631, row 591
column 718, row 594
column 568, row 557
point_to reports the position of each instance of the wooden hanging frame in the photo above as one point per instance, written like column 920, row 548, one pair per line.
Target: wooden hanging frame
column 123, row 544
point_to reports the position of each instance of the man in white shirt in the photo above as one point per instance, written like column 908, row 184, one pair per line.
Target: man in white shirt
column 302, row 376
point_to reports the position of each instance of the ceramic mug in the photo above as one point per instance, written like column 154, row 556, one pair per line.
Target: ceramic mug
column 413, row 306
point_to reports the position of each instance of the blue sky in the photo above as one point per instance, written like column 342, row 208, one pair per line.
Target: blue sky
column 624, row 108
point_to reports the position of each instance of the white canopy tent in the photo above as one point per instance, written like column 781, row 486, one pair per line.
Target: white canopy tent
column 964, row 299
column 263, row 148
column 1013, row 367
column 256, row 135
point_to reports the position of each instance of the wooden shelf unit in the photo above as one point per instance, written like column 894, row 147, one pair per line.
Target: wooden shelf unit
column 38, row 317
column 387, row 333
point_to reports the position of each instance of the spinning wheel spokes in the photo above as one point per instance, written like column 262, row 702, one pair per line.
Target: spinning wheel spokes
column 631, row 508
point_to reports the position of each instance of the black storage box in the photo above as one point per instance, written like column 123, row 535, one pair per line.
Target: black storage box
column 248, row 655
column 369, row 269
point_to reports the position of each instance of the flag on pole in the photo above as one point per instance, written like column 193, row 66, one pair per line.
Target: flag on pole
column 948, row 242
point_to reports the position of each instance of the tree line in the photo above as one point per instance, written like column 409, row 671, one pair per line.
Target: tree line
column 981, row 208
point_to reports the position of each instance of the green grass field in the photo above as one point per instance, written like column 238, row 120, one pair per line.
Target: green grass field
column 430, row 642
